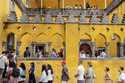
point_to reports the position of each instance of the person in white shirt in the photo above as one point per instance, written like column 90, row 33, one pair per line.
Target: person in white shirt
column 50, row 74
column 121, row 78
column 22, row 76
column 103, row 54
column 44, row 76
column 82, row 54
column 80, row 73
column 90, row 75
column 3, row 62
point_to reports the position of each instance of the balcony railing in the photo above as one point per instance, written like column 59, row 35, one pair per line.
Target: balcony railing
column 65, row 12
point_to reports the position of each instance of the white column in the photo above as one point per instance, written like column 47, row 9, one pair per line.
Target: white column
column 105, row 3
column 63, row 3
column 84, row 4
column 107, row 46
column 41, row 3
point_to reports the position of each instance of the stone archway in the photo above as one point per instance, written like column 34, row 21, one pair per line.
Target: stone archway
column 86, row 46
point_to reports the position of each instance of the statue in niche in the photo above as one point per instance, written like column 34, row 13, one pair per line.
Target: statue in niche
column 59, row 18
column 105, row 19
column 11, row 6
column 71, row 18
column 12, row 14
column 94, row 19
column 37, row 19
column 115, row 19
column 83, row 18
column 48, row 18
column 24, row 18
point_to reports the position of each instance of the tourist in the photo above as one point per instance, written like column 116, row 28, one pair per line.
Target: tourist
column 82, row 54
column 32, row 78
column 61, row 53
column 44, row 76
column 27, row 52
column 80, row 73
column 40, row 54
column 13, row 73
column 122, row 75
column 50, row 73
column 103, row 54
column 3, row 62
column 5, row 69
column 54, row 53
column 22, row 76
column 107, row 77
column 14, row 55
column 90, row 75
column 65, row 73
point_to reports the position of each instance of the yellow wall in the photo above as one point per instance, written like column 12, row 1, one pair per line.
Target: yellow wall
column 71, row 35
column 56, row 34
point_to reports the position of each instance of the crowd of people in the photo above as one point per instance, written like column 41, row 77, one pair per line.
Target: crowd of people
column 101, row 54
column 11, row 73
column 89, row 76
column 41, row 54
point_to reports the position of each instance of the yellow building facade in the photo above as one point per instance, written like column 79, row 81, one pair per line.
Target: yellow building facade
column 67, row 35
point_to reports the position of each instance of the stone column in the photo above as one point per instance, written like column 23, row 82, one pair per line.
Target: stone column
column 18, row 44
column 72, row 48
column 121, row 49
column 4, row 45
column 93, row 49
column 107, row 47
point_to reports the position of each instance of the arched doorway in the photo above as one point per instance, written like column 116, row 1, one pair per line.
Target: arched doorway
column 10, row 41
column 86, row 48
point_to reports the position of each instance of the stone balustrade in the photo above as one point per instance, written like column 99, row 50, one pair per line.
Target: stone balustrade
column 71, row 18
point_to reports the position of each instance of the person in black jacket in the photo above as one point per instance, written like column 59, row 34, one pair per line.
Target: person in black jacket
column 27, row 52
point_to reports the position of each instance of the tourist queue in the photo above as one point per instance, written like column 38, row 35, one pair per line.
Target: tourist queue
column 10, row 73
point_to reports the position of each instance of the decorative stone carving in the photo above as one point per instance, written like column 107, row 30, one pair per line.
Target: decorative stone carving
column 24, row 18
column 105, row 19
column 37, row 19
column 83, row 18
column 59, row 18
column 71, row 19
column 115, row 19
column 11, row 5
column 94, row 19
column 12, row 16
column 123, row 19
column 48, row 18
